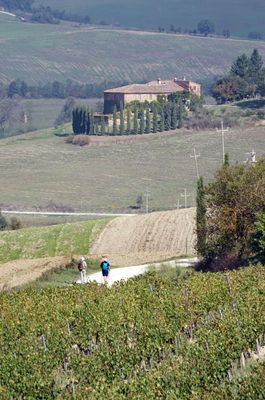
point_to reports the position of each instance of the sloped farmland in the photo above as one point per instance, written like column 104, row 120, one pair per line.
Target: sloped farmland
column 147, row 238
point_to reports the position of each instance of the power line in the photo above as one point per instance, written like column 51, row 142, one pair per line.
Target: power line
column 222, row 130
column 195, row 156
column 147, row 194
column 178, row 205
column 185, row 195
column 251, row 157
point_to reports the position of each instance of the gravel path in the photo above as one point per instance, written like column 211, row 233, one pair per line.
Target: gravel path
column 119, row 274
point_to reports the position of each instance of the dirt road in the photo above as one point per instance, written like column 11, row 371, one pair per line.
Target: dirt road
column 147, row 238
column 119, row 274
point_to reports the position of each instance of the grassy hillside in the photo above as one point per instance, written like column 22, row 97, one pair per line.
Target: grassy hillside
column 39, row 167
column 151, row 337
column 59, row 240
column 240, row 17
column 42, row 52
column 41, row 113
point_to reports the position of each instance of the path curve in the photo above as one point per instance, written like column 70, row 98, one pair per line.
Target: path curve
column 124, row 273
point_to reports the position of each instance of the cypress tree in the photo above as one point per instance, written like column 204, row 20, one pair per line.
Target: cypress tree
column 162, row 119
column 91, row 130
column 83, row 121
column 226, row 161
column 121, row 119
column 201, row 218
column 148, row 121
column 74, row 121
column 174, row 118
column 128, row 117
column 115, row 129
column 142, row 121
column 102, row 127
column 167, row 116
column 88, row 122
column 79, row 120
column 135, row 121
column 180, row 112
column 155, row 122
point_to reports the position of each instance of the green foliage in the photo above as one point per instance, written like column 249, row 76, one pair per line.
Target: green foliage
column 205, row 27
column 122, row 129
column 153, row 337
column 148, row 121
column 155, row 118
column 232, row 202
column 167, row 113
column 181, row 114
column 162, row 119
column 115, row 128
column 257, row 241
column 246, row 78
column 135, row 120
column 102, row 126
column 142, row 120
column 81, row 121
column 201, row 218
column 226, row 161
column 128, row 120
column 3, row 222
column 174, row 119
column 241, row 66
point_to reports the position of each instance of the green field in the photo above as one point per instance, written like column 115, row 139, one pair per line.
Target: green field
column 38, row 168
column 152, row 337
column 240, row 17
column 43, row 52
column 41, row 113
column 51, row 241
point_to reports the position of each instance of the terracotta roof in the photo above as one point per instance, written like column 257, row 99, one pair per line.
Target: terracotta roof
column 158, row 86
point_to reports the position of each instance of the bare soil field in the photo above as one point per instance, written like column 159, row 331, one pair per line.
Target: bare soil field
column 147, row 238
column 19, row 272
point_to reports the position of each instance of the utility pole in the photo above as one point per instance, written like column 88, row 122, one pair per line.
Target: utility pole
column 178, row 204
column 147, row 201
column 195, row 156
column 222, row 130
column 185, row 195
column 251, row 157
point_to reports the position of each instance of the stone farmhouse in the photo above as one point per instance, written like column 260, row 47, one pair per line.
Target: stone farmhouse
column 147, row 92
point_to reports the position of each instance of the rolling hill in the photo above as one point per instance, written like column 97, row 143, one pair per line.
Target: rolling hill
column 240, row 16
column 43, row 52
column 40, row 167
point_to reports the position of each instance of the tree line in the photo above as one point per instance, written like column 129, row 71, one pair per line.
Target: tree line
column 55, row 89
column 245, row 79
column 42, row 14
column 169, row 112
column 204, row 27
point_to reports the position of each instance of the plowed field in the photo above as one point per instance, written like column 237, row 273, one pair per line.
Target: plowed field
column 147, row 238
column 19, row 272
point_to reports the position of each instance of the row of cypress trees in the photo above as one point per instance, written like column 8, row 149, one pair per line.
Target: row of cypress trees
column 157, row 118
column 82, row 121
column 138, row 119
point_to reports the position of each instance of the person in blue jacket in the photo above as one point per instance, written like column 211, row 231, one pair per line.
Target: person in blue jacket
column 105, row 268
